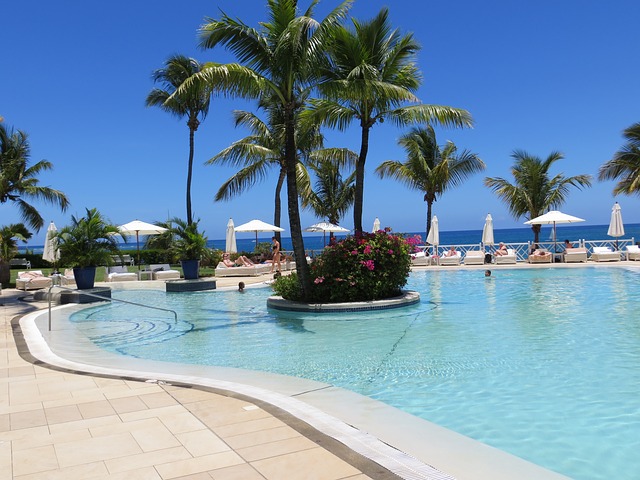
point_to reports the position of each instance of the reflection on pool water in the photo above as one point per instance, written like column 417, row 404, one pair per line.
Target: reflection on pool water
column 542, row 363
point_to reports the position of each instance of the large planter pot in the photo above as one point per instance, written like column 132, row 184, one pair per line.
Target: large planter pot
column 5, row 274
column 85, row 277
column 190, row 269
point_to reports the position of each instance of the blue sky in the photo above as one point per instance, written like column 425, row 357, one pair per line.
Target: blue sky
column 536, row 76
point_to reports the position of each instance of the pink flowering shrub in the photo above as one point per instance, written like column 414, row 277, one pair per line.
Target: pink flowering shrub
column 368, row 266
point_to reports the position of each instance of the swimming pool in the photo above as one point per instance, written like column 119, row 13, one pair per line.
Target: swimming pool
column 542, row 363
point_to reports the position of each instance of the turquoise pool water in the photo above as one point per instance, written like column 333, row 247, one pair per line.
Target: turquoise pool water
column 542, row 363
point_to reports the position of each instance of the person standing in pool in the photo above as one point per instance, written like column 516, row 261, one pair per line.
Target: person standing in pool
column 276, row 254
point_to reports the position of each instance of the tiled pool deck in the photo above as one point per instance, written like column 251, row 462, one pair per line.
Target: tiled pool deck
column 61, row 418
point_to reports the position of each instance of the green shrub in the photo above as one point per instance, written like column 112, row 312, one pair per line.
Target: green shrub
column 366, row 266
column 288, row 287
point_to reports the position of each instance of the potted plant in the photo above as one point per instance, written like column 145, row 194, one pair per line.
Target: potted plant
column 189, row 245
column 88, row 242
column 9, row 236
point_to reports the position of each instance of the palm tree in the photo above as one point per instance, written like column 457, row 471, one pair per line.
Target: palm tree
column 262, row 150
column 430, row 168
column 191, row 101
column 9, row 236
column 371, row 77
column 279, row 61
column 534, row 191
column 18, row 180
column 625, row 164
column 333, row 195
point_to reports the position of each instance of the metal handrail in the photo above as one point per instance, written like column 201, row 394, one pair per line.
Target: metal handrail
column 82, row 292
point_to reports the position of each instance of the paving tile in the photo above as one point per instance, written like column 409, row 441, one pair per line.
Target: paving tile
column 202, row 442
column 23, row 371
column 79, row 472
column 260, row 437
column 155, row 438
column 5, row 461
column 148, row 473
column 189, row 395
column 247, row 427
column 5, row 425
column 83, row 424
column 100, row 408
column 23, row 433
column 153, row 412
column 273, row 449
column 32, row 460
column 128, row 404
column 314, row 464
column 62, row 414
column 29, row 419
column 236, row 472
column 160, row 399
column 49, row 439
column 96, row 449
column 149, row 459
column 199, row 465
column 112, row 429
column 182, row 422
column 195, row 476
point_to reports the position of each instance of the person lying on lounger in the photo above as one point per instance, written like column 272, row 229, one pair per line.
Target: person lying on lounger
column 502, row 250
column 451, row 252
column 241, row 261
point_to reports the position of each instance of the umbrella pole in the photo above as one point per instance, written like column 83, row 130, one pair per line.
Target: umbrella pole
column 138, row 249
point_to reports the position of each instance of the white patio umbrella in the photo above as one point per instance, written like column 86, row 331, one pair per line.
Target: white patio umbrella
column 616, row 227
column 552, row 218
column 376, row 225
column 258, row 226
column 433, row 237
column 51, row 252
column 487, row 231
column 325, row 227
column 138, row 228
column 230, row 240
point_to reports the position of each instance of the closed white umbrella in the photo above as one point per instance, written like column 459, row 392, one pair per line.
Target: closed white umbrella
column 258, row 226
column 552, row 218
column 487, row 231
column 230, row 240
column 138, row 228
column 51, row 253
column 325, row 227
column 616, row 227
column 376, row 225
column 433, row 237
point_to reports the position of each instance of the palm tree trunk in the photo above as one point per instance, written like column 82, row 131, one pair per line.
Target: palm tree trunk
column 429, row 205
column 536, row 232
column 277, row 212
column 359, row 195
column 302, row 267
column 190, row 174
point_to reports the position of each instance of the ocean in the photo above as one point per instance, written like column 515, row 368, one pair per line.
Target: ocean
column 315, row 242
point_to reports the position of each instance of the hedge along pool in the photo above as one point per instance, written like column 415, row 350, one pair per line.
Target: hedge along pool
column 542, row 363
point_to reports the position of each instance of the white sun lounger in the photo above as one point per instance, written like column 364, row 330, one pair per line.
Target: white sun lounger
column 474, row 257
column 604, row 254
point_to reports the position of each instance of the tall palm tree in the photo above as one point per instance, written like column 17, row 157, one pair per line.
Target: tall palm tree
column 625, row 164
column 430, row 168
column 9, row 237
column 191, row 101
column 371, row 77
column 262, row 150
column 534, row 190
column 332, row 195
column 18, row 180
column 280, row 60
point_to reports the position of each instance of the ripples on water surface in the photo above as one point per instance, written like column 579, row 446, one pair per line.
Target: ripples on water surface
column 542, row 363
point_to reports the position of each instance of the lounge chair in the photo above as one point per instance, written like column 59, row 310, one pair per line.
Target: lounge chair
column 420, row 259
column 604, row 254
column 32, row 280
column 119, row 273
column 253, row 271
column 542, row 256
column 573, row 255
column 67, row 278
column 451, row 260
column 510, row 257
column 633, row 252
column 474, row 257
column 163, row 271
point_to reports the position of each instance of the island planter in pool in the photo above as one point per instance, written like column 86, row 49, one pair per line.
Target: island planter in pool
column 190, row 269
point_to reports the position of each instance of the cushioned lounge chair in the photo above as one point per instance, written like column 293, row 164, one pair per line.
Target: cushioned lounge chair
column 163, row 271
column 474, row 257
column 542, row 256
column 255, row 270
column 510, row 257
column 604, row 254
column 420, row 259
column 32, row 280
column 67, row 279
column 633, row 252
column 451, row 260
column 119, row 274
column 574, row 255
